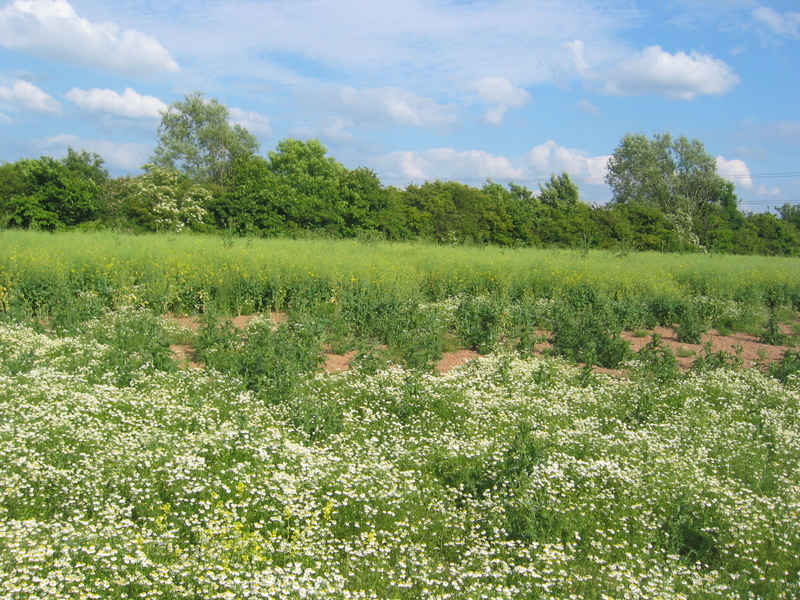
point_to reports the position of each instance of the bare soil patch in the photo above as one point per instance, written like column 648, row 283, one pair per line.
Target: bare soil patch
column 339, row 362
column 451, row 360
column 753, row 352
column 184, row 354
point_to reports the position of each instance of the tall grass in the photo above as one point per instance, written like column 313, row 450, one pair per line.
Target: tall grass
column 189, row 273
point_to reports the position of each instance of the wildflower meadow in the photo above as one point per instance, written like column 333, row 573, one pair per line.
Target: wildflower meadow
column 124, row 474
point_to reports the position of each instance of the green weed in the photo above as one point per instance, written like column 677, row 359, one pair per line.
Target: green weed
column 788, row 366
column 589, row 336
column 692, row 327
column 656, row 360
column 772, row 333
column 480, row 321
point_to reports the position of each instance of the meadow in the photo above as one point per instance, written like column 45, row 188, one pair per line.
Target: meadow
column 259, row 475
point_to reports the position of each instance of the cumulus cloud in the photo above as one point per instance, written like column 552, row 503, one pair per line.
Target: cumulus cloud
column 448, row 163
column 130, row 104
column 392, row 106
column 500, row 95
column 51, row 29
column 551, row 157
column 255, row 123
column 736, row 171
column 785, row 25
column 26, row 97
column 653, row 71
column 124, row 157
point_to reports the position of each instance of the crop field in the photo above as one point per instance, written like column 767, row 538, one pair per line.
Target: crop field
column 260, row 475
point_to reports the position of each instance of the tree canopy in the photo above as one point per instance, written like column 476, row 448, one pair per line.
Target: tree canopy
column 197, row 137
column 675, row 175
column 207, row 176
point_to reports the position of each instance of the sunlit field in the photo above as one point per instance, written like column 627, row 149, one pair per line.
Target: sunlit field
column 185, row 272
column 259, row 475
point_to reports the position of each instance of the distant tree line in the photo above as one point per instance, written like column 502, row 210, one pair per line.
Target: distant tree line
column 206, row 175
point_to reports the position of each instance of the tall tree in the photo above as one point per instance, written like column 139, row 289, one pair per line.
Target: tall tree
column 86, row 164
column 314, row 181
column 55, row 194
column 196, row 137
column 560, row 192
column 675, row 175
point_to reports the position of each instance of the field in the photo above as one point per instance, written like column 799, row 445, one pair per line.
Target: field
column 518, row 475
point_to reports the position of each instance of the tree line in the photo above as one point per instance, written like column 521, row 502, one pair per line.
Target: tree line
column 207, row 175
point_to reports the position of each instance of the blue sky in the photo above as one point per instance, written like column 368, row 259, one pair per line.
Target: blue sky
column 512, row 90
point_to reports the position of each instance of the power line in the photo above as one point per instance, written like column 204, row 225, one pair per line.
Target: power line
column 589, row 179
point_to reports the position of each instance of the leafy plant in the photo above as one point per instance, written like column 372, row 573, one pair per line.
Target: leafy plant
column 136, row 344
column 722, row 359
column 787, row 366
column 772, row 333
column 417, row 339
column 657, row 360
column 691, row 532
column 479, row 322
column 270, row 361
column 589, row 337
column 692, row 327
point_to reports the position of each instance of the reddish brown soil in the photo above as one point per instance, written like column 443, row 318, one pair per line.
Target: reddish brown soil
column 184, row 354
column 753, row 352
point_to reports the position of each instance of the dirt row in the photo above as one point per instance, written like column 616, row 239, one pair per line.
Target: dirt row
column 753, row 352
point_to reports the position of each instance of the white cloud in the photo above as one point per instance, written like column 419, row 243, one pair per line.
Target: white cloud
column 52, row 30
column 255, row 123
column 336, row 131
column 500, row 95
column 392, row 106
column 767, row 190
column 736, row 171
column 447, row 164
column 551, row 157
column 786, row 130
column 25, row 96
column 588, row 108
column 787, row 25
column 424, row 44
column 4, row 118
column 124, row 157
column 654, row 71
column 129, row 104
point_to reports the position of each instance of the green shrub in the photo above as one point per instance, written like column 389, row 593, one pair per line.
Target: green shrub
column 692, row 327
column 787, row 366
column 590, row 337
column 722, row 359
column 665, row 310
column 656, row 360
column 269, row 360
column 417, row 338
column 691, row 531
column 772, row 333
column 136, row 343
column 479, row 322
